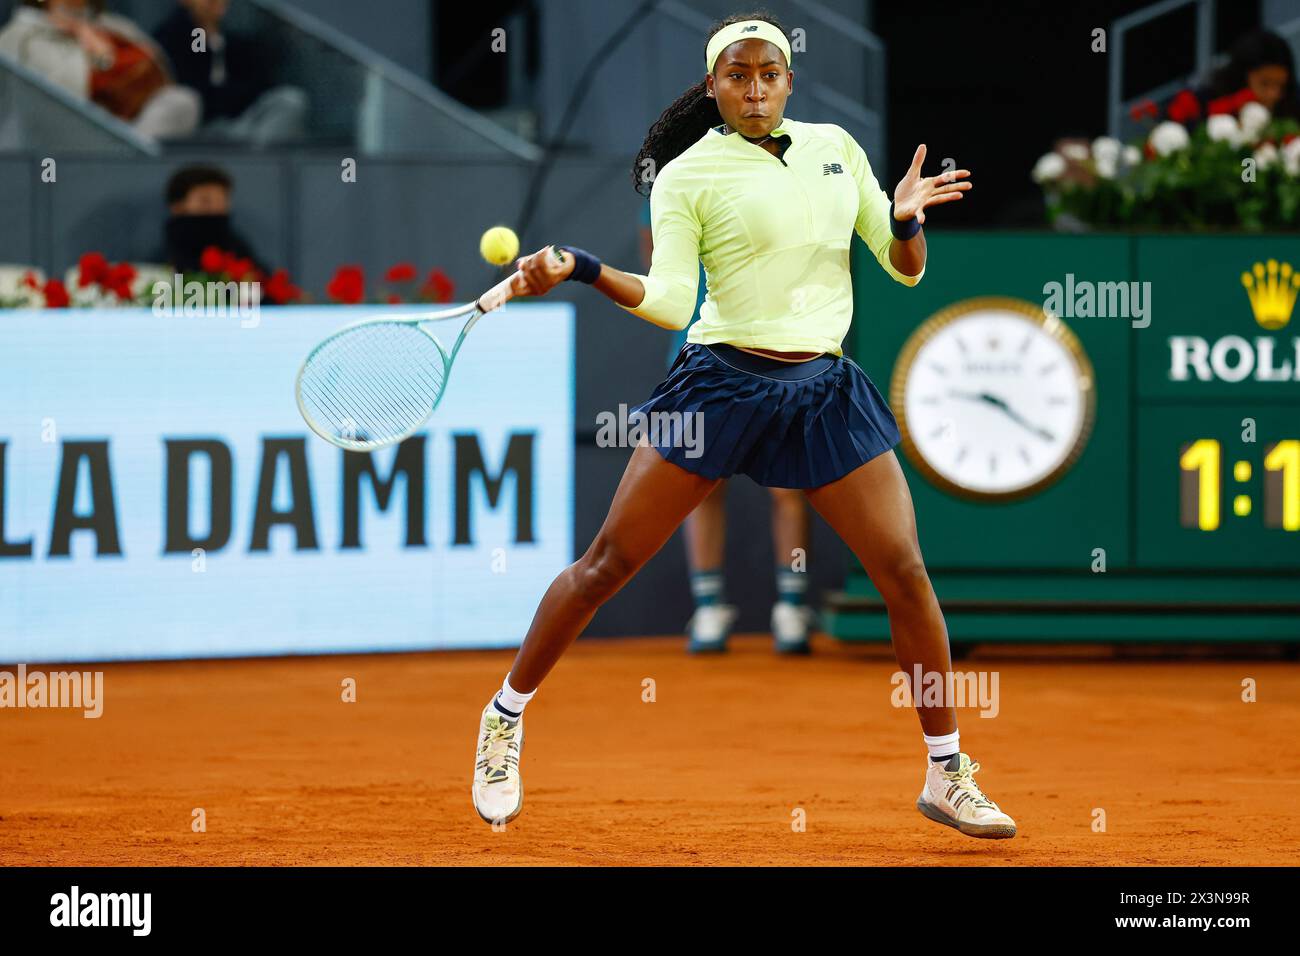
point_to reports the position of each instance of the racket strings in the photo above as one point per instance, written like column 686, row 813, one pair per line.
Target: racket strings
column 380, row 390
column 373, row 384
column 386, row 386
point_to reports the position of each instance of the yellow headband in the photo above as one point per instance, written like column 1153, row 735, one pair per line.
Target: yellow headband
column 744, row 30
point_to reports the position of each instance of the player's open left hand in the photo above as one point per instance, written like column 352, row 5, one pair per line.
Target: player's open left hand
column 543, row 270
column 916, row 193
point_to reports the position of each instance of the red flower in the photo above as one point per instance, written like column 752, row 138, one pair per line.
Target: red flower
column 1185, row 107
column 123, row 272
column 92, row 267
column 279, row 289
column 348, row 285
column 119, row 279
column 1230, row 104
column 438, row 287
column 212, row 260
column 238, row 269
column 402, row 272
column 1288, row 137
column 29, row 280
column 56, row 295
column 1143, row 108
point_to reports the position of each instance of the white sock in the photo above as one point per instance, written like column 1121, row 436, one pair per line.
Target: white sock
column 943, row 747
column 509, row 701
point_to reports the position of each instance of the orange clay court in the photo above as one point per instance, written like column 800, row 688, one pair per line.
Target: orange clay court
column 710, row 773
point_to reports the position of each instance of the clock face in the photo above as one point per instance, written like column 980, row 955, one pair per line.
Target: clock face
column 994, row 397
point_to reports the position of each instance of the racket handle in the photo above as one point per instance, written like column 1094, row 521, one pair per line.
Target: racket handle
column 508, row 288
column 502, row 292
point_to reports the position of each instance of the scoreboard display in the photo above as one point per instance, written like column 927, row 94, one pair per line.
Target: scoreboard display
column 1217, row 396
column 1101, row 434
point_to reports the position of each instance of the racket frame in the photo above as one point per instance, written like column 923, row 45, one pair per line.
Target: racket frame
column 490, row 300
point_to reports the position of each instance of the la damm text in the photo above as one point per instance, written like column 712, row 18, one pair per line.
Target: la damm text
column 88, row 462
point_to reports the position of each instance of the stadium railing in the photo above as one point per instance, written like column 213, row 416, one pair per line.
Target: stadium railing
column 34, row 111
column 1121, row 125
column 358, row 97
column 367, row 99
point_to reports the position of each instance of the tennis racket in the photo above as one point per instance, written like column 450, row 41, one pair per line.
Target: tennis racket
column 375, row 382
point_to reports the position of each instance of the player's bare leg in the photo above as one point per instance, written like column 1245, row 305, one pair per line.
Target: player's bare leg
column 871, row 509
column 653, row 498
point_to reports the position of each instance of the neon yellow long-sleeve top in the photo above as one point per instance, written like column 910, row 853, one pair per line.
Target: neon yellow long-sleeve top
column 773, row 234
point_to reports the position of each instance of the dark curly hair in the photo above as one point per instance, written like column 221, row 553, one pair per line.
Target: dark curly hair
column 688, row 118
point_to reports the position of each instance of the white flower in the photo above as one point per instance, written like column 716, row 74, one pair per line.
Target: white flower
column 21, row 295
column 1169, row 137
column 1291, row 157
column 146, row 275
column 1050, row 166
column 1075, row 152
column 91, row 296
column 1107, row 149
column 1254, row 117
column 1107, row 167
column 1131, row 155
column 1223, row 128
column 1266, row 155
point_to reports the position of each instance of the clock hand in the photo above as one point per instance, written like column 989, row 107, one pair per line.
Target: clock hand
column 1016, row 417
column 1001, row 405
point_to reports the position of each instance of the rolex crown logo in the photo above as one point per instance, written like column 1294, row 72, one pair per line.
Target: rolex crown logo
column 1272, row 290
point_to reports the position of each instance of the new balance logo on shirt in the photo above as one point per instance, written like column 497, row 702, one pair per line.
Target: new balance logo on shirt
column 828, row 168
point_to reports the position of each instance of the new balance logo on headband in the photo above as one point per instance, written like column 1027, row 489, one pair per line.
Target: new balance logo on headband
column 828, row 168
column 749, row 29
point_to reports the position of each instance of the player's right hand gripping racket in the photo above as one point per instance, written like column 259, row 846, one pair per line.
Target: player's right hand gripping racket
column 375, row 382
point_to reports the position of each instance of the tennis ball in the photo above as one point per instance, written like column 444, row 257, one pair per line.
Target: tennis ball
column 499, row 245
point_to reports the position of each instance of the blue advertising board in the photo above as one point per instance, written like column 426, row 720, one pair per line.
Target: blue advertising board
column 160, row 497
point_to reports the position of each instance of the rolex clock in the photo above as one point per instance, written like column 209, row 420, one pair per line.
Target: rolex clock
column 995, row 398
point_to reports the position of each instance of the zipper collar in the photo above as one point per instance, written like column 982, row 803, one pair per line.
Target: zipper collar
column 781, row 130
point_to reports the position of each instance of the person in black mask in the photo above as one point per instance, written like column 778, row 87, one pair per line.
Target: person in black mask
column 198, row 198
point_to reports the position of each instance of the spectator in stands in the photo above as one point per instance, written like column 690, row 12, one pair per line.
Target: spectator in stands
column 103, row 58
column 229, row 72
column 198, row 200
column 1260, row 67
column 1260, row 61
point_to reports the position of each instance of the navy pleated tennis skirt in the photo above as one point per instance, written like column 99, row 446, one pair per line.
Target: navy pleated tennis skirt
column 784, row 424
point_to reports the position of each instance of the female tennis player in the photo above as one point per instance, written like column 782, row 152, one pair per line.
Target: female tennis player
column 769, row 205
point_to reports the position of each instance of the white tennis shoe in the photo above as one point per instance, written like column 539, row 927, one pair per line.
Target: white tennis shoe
column 709, row 628
column 790, row 626
column 498, row 789
column 951, row 797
